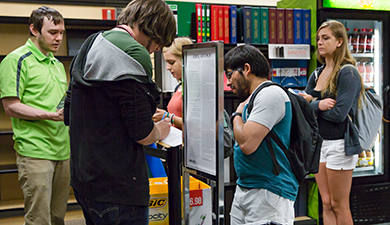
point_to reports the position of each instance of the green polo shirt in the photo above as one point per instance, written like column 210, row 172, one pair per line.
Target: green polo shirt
column 38, row 81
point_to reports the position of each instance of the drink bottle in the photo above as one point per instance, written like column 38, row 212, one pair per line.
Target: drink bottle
column 349, row 35
column 362, row 40
column 369, row 78
column 369, row 157
column 355, row 40
column 369, row 42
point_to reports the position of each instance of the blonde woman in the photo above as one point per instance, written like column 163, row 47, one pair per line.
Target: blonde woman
column 172, row 56
column 334, row 91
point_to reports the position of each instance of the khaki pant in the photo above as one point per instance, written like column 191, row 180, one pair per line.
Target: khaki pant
column 46, row 186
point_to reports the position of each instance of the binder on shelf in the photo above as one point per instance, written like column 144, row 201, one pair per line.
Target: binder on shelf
column 272, row 25
column 280, row 26
column 220, row 23
column 208, row 23
column 226, row 32
column 256, row 25
column 289, row 15
column 264, row 25
column 214, row 23
column 198, row 22
column 233, row 24
column 247, row 24
column 183, row 15
column 298, row 26
column 240, row 24
column 306, row 24
column 204, row 23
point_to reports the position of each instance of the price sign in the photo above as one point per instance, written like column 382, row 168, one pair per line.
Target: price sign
column 196, row 198
column 297, row 51
column 288, row 51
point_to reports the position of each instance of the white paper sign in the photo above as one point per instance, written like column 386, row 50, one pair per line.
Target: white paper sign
column 201, row 110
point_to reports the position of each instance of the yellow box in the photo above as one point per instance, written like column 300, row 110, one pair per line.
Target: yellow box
column 200, row 202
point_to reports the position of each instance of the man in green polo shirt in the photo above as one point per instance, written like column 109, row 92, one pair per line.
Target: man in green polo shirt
column 32, row 83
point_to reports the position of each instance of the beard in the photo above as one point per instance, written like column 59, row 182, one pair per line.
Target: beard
column 243, row 87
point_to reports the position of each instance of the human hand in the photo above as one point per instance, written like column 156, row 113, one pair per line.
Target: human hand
column 59, row 115
column 306, row 96
column 158, row 115
column 326, row 104
column 240, row 107
column 164, row 126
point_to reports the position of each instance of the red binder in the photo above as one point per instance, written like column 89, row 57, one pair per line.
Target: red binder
column 226, row 30
column 272, row 25
column 214, row 23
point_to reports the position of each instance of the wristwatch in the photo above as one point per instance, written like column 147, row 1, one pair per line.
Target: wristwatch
column 234, row 115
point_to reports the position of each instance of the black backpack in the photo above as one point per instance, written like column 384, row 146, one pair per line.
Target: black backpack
column 305, row 141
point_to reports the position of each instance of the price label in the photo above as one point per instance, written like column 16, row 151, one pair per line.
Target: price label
column 196, row 198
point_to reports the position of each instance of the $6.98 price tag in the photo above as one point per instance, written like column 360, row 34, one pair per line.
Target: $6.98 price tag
column 196, row 198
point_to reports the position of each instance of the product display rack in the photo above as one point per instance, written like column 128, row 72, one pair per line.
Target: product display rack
column 11, row 197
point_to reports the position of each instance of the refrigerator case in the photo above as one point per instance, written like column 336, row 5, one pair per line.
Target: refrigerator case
column 370, row 185
column 372, row 62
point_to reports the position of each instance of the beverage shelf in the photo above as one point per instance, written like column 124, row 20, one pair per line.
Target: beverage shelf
column 365, row 168
column 363, row 55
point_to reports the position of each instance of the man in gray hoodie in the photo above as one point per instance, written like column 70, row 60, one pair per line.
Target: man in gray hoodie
column 109, row 108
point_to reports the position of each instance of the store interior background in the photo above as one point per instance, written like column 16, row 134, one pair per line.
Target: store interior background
column 79, row 14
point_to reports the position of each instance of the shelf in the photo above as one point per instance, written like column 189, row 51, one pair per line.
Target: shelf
column 363, row 55
column 12, row 168
column 366, row 168
column 6, row 132
column 69, row 23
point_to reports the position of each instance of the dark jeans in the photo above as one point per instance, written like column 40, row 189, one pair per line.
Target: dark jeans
column 104, row 213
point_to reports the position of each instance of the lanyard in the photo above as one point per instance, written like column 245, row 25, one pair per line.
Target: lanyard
column 126, row 29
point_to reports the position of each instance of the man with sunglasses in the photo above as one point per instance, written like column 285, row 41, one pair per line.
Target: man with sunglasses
column 260, row 195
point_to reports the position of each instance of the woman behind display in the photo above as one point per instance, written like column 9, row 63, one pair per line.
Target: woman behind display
column 172, row 56
column 334, row 90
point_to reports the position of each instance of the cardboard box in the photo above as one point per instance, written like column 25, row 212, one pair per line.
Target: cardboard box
column 200, row 202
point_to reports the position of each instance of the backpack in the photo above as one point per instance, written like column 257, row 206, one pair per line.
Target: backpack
column 228, row 139
column 305, row 140
column 368, row 118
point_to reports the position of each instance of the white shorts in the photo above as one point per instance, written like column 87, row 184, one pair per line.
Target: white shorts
column 258, row 206
column 333, row 154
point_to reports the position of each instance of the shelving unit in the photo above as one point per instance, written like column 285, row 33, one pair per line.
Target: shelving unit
column 289, row 64
column 14, row 33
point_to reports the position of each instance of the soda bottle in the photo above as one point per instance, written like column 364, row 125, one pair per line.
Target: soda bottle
column 355, row 40
column 361, row 68
column 349, row 35
column 362, row 40
column 369, row 78
column 362, row 161
column 369, row 157
column 369, row 42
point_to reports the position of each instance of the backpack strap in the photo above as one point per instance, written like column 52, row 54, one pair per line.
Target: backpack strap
column 254, row 94
column 276, row 170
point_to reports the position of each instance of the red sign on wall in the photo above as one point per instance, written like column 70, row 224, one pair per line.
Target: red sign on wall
column 108, row 14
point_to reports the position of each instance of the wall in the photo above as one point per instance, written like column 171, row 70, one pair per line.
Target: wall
column 68, row 11
column 235, row 2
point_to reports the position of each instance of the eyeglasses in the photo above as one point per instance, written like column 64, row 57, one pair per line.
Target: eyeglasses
column 229, row 75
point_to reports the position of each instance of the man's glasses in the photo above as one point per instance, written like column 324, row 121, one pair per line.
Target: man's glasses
column 229, row 75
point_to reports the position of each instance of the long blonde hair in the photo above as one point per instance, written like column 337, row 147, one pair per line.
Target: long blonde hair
column 176, row 46
column 341, row 56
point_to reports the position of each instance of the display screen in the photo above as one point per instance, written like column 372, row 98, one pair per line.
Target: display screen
column 383, row 5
